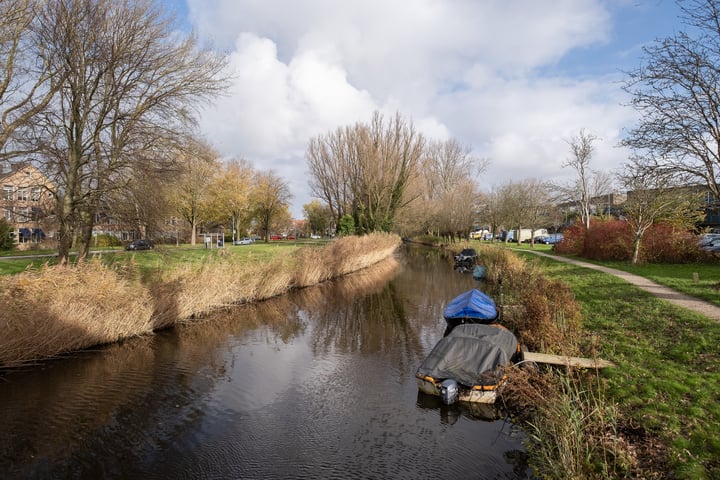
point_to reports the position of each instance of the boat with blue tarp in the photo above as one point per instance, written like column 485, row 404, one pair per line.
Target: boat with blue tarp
column 472, row 306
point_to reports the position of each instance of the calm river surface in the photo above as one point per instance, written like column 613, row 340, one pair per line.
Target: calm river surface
column 318, row 384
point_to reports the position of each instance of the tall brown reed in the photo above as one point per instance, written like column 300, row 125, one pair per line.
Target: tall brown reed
column 573, row 427
column 55, row 310
column 542, row 312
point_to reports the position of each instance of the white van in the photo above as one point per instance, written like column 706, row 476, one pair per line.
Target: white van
column 526, row 234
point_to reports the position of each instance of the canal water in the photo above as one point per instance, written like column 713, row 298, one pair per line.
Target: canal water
column 318, row 384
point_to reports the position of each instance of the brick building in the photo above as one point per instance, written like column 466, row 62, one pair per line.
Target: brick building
column 27, row 203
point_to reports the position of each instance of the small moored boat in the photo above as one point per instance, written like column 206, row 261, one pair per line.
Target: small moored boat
column 479, row 272
column 469, row 363
column 466, row 257
column 472, row 306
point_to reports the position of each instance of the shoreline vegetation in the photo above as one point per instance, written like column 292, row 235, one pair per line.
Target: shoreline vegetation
column 651, row 417
column 54, row 309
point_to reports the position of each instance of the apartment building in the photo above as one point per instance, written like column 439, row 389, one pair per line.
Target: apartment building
column 27, row 203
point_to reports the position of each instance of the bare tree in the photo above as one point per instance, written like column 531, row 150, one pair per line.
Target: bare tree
column 677, row 93
column 329, row 159
column 270, row 199
column 144, row 205
column 447, row 163
column 448, row 174
column 28, row 78
column 535, row 211
column 489, row 209
column 390, row 153
column 364, row 170
column 455, row 214
column 130, row 82
column 509, row 205
column 588, row 184
column 521, row 204
column 654, row 199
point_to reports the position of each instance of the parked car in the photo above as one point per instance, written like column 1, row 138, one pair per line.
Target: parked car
column 552, row 238
column 536, row 239
column 314, row 236
column 479, row 234
column 708, row 238
column 140, row 245
column 275, row 237
column 712, row 245
column 243, row 241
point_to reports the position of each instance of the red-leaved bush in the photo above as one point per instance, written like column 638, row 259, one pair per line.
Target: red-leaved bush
column 613, row 240
column 667, row 244
column 573, row 240
column 608, row 240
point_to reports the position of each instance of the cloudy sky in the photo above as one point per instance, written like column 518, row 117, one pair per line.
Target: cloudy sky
column 512, row 79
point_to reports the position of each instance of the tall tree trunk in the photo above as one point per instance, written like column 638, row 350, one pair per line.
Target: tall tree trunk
column 86, row 239
column 65, row 233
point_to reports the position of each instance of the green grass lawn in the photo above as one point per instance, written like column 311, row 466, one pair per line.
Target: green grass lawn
column 701, row 280
column 668, row 374
column 161, row 257
column 697, row 280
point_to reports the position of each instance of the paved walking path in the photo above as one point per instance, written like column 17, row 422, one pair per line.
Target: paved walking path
column 702, row 307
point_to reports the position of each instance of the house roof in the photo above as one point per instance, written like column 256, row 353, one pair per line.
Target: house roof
column 9, row 171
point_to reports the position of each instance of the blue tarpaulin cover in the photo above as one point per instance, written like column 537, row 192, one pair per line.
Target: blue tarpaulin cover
column 472, row 305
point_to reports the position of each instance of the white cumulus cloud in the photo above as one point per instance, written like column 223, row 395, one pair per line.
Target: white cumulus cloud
column 492, row 74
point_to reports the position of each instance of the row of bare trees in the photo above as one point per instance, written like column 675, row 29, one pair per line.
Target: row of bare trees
column 357, row 170
column 387, row 176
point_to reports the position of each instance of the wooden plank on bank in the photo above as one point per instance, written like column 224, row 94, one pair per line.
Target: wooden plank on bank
column 567, row 361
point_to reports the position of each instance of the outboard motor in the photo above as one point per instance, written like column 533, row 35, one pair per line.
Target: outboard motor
column 449, row 391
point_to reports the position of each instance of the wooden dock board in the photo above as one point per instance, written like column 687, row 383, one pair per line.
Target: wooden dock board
column 567, row 361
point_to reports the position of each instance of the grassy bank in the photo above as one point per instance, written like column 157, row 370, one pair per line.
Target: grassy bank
column 49, row 310
column 668, row 376
column 654, row 415
column 163, row 256
column 701, row 280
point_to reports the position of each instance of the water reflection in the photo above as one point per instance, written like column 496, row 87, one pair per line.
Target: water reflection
column 316, row 384
column 451, row 413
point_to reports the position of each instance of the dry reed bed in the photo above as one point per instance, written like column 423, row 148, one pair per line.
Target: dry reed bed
column 543, row 312
column 58, row 309
column 572, row 425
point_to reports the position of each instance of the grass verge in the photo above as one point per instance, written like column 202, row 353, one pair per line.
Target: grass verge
column 668, row 377
column 701, row 280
